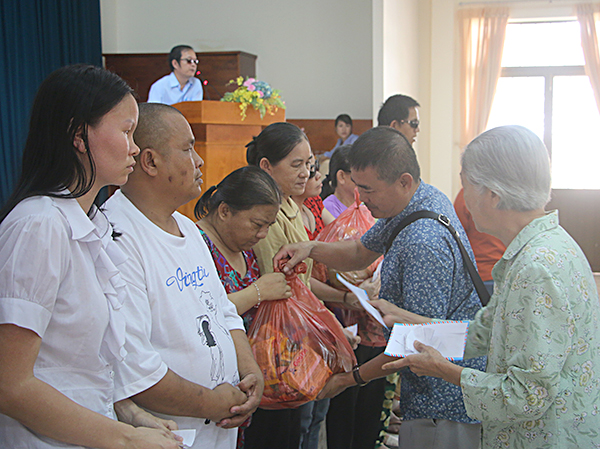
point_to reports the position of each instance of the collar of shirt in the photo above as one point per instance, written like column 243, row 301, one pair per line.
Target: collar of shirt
column 174, row 82
column 290, row 208
column 537, row 226
column 80, row 224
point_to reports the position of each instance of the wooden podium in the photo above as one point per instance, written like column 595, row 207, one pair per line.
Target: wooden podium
column 221, row 138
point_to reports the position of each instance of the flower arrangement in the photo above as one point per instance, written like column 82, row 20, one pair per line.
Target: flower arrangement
column 257, row 93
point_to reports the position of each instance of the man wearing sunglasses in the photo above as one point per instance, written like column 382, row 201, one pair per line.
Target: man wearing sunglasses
column 181, row 84
column 400, row 112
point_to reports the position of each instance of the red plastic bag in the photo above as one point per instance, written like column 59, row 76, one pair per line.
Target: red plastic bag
column 298, row 345
column 351, row 225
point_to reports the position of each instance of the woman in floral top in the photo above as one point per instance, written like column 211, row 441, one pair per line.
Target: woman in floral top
column 541, row 387
column 236, row 214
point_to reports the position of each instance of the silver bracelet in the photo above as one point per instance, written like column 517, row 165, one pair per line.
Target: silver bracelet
column 257, row 292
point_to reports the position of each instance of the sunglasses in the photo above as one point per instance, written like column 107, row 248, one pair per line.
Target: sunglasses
column 190, row 60
column 313, row 170
column 414, row 124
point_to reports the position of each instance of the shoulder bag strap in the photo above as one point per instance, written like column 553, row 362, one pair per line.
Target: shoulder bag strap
column 484, row 295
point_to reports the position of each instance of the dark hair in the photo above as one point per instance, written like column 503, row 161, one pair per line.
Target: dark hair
column 395, row 108
column 242, row 189
column 386, row 150
column 274, row 142
column 339, row 161
column 69, row 100
column 175, row 54
column 343, row 118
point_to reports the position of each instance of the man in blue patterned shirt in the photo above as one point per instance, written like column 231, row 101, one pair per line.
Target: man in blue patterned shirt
column 422, row 272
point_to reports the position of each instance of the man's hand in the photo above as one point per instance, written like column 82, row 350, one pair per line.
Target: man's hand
column 224, row 397
column 296, row 252
column 253, row 387
column 394, row 314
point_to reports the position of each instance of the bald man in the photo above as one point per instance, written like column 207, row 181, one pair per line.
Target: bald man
column 197, row 365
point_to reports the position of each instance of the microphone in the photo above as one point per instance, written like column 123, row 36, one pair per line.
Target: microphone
column 205, row 83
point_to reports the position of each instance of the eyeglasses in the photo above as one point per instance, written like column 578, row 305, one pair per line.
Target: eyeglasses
column 414, row 124
column 313, row 170
column 190, row 60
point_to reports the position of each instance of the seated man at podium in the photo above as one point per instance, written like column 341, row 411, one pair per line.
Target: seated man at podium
column 181, row 84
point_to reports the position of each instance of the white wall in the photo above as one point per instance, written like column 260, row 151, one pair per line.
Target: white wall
column 317, row 52
column 330, row 56
column 400, row 60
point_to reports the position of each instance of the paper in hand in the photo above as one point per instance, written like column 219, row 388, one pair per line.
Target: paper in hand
column 353, row 329
column 188, row 435
column 377, row 272
column 448, row 337
column 363, row 298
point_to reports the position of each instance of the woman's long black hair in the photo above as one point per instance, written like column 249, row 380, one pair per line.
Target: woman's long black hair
column 69, row 100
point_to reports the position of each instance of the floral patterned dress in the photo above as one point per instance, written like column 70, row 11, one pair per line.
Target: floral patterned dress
column 541, row 388
column 230, row 278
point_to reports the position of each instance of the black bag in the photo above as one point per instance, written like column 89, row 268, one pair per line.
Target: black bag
column 484, row 295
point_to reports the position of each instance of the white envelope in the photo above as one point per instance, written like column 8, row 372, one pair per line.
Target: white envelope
column 353, row 329
column 363, row 298
column 448, row 337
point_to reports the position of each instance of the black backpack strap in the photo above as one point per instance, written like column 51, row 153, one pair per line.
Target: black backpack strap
column 484, row 295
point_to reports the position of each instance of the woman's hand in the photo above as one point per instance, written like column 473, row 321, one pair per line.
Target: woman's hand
column 146, row 438
column 127, row 411
column 394, row 314
column 273, row 286
column 335, row 385
column 429, row 362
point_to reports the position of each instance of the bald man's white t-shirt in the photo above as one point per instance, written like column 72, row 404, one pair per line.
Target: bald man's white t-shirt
column 178, row 303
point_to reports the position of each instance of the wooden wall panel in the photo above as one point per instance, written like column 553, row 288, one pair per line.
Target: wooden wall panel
column 141, row 70
column 579, row 214
column 321, row 132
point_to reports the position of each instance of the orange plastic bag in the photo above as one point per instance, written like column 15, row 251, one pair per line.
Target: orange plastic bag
column 351, row 225
column 298, row 345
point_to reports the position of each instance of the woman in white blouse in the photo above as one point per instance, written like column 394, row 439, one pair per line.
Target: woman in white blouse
column 60, row 288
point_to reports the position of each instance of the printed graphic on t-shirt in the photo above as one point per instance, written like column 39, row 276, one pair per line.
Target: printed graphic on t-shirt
column 217, row 366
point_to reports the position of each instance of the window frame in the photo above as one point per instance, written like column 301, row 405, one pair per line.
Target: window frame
column 548, row 73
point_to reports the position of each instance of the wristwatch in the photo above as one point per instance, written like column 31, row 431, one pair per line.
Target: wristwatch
column 356, row 374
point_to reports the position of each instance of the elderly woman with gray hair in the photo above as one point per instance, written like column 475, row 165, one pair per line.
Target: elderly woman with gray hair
column 541, row 387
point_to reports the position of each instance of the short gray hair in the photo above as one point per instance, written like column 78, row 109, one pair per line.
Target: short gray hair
column 512, row 162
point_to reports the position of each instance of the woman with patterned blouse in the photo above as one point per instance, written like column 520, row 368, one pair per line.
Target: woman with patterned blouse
column 541, row 387
column 235, row 215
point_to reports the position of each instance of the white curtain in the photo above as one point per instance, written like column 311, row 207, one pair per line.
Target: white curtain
column 482, row 32
column 588, row 15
